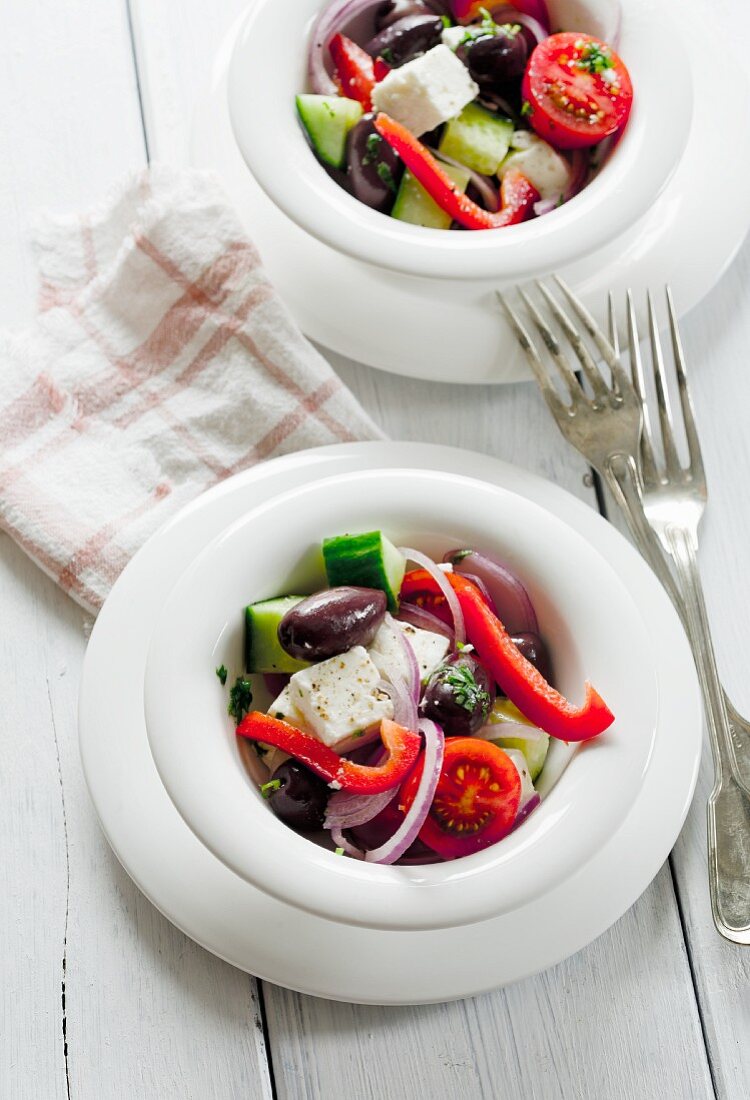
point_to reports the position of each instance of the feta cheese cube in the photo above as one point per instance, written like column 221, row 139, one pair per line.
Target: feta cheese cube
column 340, row 697
column 427, row 91
column 539, row 162
column 452, row 37
column 282, row 707
column 429, row 648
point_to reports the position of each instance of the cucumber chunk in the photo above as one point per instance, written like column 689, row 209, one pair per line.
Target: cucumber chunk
column 369, row 561
column 535, row 751
column 477, row 138
column 414, row 205
column 263, row 652
column 327, row 120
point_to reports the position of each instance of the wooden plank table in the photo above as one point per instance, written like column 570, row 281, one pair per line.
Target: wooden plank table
column 101, row 997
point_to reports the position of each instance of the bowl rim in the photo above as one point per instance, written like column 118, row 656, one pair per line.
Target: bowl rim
column 636, row 172
column 292, row 868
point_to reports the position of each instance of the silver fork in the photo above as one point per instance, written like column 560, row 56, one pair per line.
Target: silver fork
column 608, row 429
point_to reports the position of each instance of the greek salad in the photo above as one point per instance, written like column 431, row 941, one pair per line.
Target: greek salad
column 458, row 114
column 412, row 705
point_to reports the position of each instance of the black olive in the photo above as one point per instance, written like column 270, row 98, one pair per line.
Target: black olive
column 495, row 60
column 373, row 168
column 298, row 797
column 331, row 622
column 535, row 652
column 406, row 39
column 392, row 10
column 459, row 695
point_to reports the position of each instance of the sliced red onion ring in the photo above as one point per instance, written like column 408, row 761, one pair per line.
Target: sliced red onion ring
column 412, row 665
column 512, row 603
column 488, row 193
column 518, row 730
column 406, row 834
column 347, row 811
column 545, row 206
column 423, row 620
column 444, row 585
column 334, row 16
column 341, row 841
column 525, row 810
column 404, row 707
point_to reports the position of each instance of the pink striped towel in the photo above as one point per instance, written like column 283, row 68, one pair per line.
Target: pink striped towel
column 162, row 362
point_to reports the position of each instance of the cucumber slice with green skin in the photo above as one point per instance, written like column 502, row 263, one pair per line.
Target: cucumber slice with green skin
column 263, row 652
column 327, row 120
column 367, row 561
column 415, row 206
column 535, row 751
column 477, row 138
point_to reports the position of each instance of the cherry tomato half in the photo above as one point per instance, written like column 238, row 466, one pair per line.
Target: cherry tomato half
column 476, row 801
column 577, row 89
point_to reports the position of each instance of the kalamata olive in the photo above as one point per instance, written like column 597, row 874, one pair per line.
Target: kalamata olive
column 392, row 10
column 374, row 169
column 297, row 797
column 459, row 695
column 406, row 39
column 332, row 621
column 495, row 60
column 535, row 652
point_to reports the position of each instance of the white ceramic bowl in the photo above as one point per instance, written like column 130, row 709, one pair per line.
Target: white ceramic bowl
column 268, row 69
column 585, row 613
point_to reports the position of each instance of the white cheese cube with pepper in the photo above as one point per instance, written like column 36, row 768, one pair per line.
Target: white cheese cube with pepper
column 340, row 697
column 429, row 648
column 427, row 91
column 282, row 707
column 542, row 165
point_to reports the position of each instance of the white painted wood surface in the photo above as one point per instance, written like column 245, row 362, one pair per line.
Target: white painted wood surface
column 658, row 1006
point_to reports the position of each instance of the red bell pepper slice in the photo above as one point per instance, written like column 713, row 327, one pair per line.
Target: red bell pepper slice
column 403, row 746
column 355, row 70
column 522, row 683
column 517, row 194
column 381, row 69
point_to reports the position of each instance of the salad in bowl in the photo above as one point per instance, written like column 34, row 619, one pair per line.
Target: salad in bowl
column 412, row 705
column 458, row 114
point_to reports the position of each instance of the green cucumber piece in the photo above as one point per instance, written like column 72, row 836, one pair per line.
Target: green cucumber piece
column 477, row 138
column 534, row 751
column 327, row 120
column 369, row 560
column 263, row 652
column 414, row 205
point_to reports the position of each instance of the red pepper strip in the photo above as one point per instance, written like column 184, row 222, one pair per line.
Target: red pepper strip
column 380, row 69
column 522, row 683
column 355, row 69
column 517, row 195
column 418, row 582
column 403, row 747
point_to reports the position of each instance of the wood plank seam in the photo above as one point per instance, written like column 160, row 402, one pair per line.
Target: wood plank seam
column 67, row 888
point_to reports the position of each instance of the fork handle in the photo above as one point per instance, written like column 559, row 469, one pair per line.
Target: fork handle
column 621, row 475
column 683, row 546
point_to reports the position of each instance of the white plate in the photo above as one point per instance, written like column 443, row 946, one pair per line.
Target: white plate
column 281, row 944
column 452, row 331
column 593, row 630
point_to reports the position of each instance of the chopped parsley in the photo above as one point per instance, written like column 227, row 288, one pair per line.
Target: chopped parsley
column 268, row 788
column 525, row 109
column 447, row 22
column 466, row 691
column 372, row 149
column 387, row 55
column 339, row 852
column 460, row 555
column 222, row 673
column 594, row 58
column 488, row 28
column 386, row 175
column 240, row 698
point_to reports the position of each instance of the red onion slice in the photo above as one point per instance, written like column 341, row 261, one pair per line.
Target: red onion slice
column 406, row 834
column 517, row 730
column 545, row 206
column 415, row 615
column 444, row 585
column 347, row 811
column 512, row 603
column 334, row 16
column 488, row 193
column 536, row 29
column 525, row 810
column 404, row 706
column 341, row 841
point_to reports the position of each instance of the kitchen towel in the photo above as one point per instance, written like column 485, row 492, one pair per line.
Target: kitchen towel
column 162, row 361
